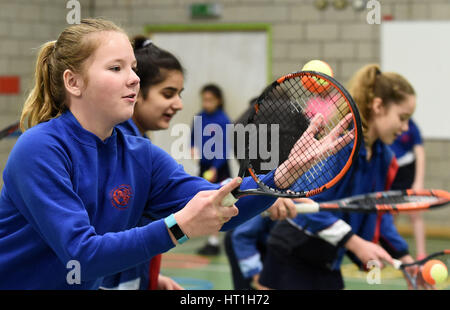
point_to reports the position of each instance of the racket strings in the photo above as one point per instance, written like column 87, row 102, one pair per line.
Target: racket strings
column 293, row 106
column 391, row 200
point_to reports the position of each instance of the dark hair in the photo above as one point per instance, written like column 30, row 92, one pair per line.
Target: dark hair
column 216, row 91
column 153, row 63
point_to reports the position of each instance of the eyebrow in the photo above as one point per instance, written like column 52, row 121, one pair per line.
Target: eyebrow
column 173, row 88
column 134, row 62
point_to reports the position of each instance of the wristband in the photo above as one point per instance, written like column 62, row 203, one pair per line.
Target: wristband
column 175, row 229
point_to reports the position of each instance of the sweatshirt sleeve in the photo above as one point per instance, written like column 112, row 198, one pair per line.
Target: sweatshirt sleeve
column 41, row 187
column 390, row 239
column 326, row 225
column 173, row 188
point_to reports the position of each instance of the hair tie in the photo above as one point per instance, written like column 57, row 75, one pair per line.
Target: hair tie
column 147, row 42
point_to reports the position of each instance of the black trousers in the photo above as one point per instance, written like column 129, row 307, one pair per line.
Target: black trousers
column 278, row 273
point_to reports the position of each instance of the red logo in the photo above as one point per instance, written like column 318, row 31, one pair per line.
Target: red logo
column 120, row 196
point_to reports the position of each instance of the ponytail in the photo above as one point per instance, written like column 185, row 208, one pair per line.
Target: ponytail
column 42, row 104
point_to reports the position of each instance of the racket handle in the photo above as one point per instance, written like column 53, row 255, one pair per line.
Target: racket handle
column 396, row 263
column 307, row 207
column 301, row 208
column 229, row 200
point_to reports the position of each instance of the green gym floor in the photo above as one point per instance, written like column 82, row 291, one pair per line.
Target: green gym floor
column 205, row 273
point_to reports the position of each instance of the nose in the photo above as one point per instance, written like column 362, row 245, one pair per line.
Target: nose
column 133, row 79
column 177, row 104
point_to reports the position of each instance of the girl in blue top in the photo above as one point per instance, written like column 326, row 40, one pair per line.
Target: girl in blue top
column 306, row 252
column 75, row 187
column 161, row 84
column 213, row 167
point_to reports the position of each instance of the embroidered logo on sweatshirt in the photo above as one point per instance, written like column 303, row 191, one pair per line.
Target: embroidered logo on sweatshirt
column 120, row 196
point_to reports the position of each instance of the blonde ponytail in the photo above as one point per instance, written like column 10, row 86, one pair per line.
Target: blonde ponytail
column 41, row 105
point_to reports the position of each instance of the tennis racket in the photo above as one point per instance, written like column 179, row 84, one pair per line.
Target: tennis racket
column 305, row 128
column 388, row 201
column 9, row 130
column 413, row 278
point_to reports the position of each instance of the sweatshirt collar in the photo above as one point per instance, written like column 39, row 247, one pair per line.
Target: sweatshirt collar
column 377, row 148
column 82, row 135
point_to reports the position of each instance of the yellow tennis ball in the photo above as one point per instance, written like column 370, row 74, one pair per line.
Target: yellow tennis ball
column 314, row 84
column 439, row 273
column 319, row 66
column 434, row 272
column 208, row 175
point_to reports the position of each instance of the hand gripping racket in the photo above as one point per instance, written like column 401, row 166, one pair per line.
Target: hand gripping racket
column 413, row 278
column 388, row 201
column 305, row 128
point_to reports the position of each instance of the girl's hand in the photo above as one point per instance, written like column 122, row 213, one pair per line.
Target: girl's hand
column 168, row 284
column 204, row 214
column 282, row 209
column 255, row 283
column 368, row 251
column 308, row 150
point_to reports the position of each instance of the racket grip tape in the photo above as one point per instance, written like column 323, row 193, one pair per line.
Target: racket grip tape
column 300, row 208
column 396, row 263
column 307, row 207
column 229, row 200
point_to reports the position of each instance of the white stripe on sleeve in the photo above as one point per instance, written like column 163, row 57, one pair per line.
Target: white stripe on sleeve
column 335, row 232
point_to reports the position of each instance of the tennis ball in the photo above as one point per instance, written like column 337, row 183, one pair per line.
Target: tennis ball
column 208, row 175
column 434, row 272
column 314, row 84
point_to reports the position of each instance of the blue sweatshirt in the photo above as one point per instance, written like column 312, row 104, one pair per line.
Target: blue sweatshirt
column 68, row 196
column 403, row 146
column 363, row 177
column 136, row 277
column 206, row 139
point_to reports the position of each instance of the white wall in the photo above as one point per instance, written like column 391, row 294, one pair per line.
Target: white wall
column 420, row 51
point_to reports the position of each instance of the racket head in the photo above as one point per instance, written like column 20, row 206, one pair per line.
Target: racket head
column 406, row 200
column 281, row 115
column 390, row 201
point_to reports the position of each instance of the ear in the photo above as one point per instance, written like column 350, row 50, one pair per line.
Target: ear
column 378, row 107
column 73, row 82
